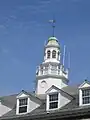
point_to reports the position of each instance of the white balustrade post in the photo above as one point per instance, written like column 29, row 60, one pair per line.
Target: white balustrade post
column 49, row 69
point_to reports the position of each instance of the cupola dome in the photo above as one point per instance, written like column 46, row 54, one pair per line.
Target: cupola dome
column 53, row 41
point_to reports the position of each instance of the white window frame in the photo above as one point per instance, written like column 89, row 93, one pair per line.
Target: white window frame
column 48, row 102
column 53, row 101
column 18, row 106
column 81, row 97
column 25, row 105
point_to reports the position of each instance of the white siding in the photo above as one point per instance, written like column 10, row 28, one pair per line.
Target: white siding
column 32, row 105
column 85, row 85
column 64, row 99
column 4, row 109
column 59, row 83
column 22, row 95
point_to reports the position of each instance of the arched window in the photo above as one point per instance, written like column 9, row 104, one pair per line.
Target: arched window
column 53, row 54
column 48, row 54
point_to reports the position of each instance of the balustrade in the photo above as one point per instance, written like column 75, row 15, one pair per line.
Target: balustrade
column 52, row 71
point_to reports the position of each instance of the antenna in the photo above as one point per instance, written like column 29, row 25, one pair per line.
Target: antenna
column 69, row 60
column 44, row 42
column 53, row 25
column 64, row 52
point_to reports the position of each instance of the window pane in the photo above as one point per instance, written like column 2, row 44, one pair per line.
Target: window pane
column 53, row 54
column 48, row 54
column 23, row 109
column 53, row 97
column 86, row 96
column 53, row 105
column 23, row 102
column 86, row 100
column 86, row 92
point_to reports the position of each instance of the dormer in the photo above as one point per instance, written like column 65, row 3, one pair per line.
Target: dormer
column 26, row 102
column 84, row 93
column 56, row 98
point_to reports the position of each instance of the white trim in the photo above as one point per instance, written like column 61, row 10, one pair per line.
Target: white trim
column 59, row 100
column 20, row 95
column 82, row 85
column 47, row 101
column 81, row 98
column 17, row 106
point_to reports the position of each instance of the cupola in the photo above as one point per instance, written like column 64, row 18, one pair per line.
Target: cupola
column 53, row 42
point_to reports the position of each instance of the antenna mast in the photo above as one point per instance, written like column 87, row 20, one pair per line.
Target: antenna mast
column 64, row 52
column 69, row 60
column 53, row 26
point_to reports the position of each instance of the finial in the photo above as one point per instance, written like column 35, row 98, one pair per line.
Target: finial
column 86, row 79
column 53, row 25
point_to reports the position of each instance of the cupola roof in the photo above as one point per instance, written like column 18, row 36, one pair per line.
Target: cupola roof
column 53, row 41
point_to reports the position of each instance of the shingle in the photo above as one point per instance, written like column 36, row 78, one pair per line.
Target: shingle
column 42, row 109
column 71, row 90
column 9, row 101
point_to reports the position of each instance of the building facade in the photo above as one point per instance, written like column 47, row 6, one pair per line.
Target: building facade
column 53, row 98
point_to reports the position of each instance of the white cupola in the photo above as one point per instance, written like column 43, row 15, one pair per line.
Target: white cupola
column 51, row 71
column 52, row 50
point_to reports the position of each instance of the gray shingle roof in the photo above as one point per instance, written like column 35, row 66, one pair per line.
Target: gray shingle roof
column 10, row 101
column 71, row 90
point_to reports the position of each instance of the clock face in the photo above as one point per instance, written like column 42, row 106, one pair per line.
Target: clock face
column 43, row 84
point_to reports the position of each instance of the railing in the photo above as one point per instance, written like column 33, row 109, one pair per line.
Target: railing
column 51, row 71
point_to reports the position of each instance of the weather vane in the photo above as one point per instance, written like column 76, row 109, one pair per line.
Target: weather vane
column 53, row 25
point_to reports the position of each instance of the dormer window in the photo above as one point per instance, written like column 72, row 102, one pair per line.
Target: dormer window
column 56, row 98
column 53, row 101
column 26, row 103
column 84, row 93
column 86, row 96
column 23, row 105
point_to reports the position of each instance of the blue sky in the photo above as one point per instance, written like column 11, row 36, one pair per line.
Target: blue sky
column 24, row 28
